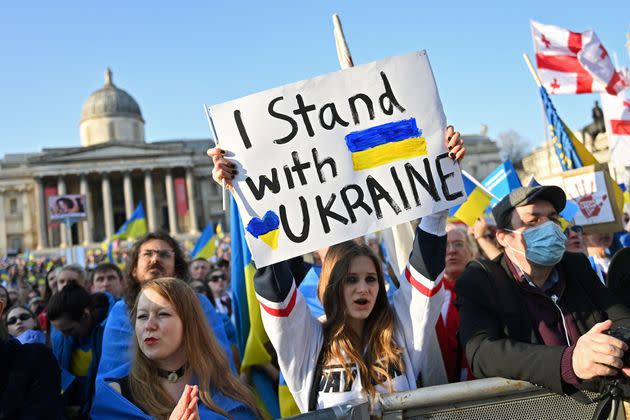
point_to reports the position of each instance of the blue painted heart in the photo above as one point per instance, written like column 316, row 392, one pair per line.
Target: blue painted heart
column 266, row 229
column 269, row 222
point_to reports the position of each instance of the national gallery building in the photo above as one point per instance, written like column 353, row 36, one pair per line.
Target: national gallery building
column 115, row 169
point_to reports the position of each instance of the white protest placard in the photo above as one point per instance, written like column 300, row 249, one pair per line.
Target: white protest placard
column 591, row 188
column 589, row 192
column 336, row 157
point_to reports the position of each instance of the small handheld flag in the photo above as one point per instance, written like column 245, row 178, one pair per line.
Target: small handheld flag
column 476, row 203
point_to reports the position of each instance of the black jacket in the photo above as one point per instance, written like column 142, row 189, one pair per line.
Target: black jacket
column 500, row 340
column 30, row 382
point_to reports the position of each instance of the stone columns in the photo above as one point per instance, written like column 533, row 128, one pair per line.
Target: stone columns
column 108, row 212
column 88, row 223
column 61, row 190
column 128, row 191
column 27, row 219
column 3, row 225
column 42, row 221
column 170, row 202
column 150, row 204
column 190, row 193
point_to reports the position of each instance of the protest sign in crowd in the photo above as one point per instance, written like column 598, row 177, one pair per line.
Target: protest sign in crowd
column 303, row 305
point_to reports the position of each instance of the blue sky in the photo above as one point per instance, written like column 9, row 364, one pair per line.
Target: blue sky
column 173, row 57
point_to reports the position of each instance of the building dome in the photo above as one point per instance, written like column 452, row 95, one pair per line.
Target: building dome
column 110, row 101
column 111, row 114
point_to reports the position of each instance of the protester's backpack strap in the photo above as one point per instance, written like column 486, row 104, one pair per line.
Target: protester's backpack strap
column 312, row 397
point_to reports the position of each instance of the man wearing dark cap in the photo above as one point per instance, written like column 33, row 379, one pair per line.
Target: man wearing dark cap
column 536, row 312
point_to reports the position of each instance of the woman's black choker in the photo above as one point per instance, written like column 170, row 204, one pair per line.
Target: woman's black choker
column 172, row 375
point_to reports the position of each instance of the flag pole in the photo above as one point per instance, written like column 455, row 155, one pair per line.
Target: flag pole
column 539, row 84
column 216, row 143
column 343, row 52
column 399, row 238
column 480, row 185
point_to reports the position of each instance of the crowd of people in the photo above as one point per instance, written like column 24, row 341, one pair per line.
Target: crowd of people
column 515, row 295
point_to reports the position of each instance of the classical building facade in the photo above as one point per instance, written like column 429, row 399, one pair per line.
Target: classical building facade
column 543, row 162
column 115, row 169
column 482, row 155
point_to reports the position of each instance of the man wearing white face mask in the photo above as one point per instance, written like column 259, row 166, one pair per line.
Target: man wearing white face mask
column 536, row 312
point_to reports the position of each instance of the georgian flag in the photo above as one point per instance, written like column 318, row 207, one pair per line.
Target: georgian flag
column 574, row 62
column 617, row 116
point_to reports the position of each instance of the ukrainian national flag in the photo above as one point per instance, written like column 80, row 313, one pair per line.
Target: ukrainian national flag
column 252, row 339
column 626, row 193
column 570, row 151
column 386, row 143
column 476, row 203
column 206, row 244
column 134, row 227
column 502, row 181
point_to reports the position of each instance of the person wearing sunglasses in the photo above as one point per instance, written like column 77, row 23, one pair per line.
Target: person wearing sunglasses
column 221, row 294
column 29, row 379
column 19, row 320
column 575, row 239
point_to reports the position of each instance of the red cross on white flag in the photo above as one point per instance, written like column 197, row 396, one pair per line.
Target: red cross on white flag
column 574, row 62
column 617, row 116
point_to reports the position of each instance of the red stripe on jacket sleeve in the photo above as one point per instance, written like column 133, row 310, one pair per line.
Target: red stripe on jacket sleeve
column 420, row 287
column 282, row 312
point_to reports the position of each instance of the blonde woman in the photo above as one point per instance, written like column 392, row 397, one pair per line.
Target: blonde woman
column 178, row 370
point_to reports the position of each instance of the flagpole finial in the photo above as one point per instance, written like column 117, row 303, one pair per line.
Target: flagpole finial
column 343, row 53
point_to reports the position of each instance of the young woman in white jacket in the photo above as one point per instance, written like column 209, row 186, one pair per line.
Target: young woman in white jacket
column 366, row 345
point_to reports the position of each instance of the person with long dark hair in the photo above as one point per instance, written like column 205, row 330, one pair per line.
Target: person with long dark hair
column 365, row 345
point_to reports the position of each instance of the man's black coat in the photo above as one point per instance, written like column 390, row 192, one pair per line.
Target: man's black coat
column 498, row 336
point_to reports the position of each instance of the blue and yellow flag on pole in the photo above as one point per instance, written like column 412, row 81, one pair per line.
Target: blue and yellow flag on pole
column 134, row 227
column 501, row 181
column 476, row 203
column 570, row 151
column 206, row 245
column 252, row 338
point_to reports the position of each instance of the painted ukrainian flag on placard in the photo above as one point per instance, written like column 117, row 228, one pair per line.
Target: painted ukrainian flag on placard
column 475, row 205
column 386, row 143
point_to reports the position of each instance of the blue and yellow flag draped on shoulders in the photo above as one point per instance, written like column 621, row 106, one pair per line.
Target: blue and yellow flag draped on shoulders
column 206, row 244
column 134, row 227
column 252, row 339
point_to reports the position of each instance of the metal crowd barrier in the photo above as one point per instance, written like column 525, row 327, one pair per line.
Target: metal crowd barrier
column 491, row 398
